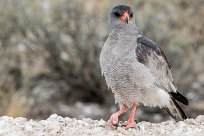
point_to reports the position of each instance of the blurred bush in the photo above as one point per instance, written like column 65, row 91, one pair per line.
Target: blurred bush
column 49, row 54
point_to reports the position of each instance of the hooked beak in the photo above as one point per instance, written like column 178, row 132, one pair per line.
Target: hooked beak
column 125, row 17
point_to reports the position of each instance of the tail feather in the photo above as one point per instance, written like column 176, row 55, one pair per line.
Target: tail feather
column 179, row 97
column 175, row 111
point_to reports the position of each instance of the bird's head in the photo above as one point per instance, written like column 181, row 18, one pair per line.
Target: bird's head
column 122, row 15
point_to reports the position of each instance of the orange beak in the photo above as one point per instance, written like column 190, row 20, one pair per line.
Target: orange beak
column 125, row 17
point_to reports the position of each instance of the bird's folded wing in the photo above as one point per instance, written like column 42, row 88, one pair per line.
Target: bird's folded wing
column 150, row 55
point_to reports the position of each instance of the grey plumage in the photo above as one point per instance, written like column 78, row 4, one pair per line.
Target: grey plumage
column 136, row 69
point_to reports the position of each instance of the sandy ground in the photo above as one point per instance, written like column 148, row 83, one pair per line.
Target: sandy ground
column 59, row 126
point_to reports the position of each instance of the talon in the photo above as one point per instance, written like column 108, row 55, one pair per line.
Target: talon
column 110, row 126
column 113, row 121
column 124, row 124
column 129, row 125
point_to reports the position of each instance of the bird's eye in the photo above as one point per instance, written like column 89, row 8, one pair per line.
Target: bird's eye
column 131, row 15
column 117, row 14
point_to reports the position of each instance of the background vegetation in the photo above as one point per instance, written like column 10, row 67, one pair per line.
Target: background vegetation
column 49, row 54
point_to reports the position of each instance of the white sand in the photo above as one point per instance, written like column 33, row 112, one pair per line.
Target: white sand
column 58, row 126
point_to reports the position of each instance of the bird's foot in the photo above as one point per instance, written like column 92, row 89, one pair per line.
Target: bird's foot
column 112, row 122
column 129, row 124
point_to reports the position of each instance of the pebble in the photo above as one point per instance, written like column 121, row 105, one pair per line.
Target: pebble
column 88, row 131
column 20, row 119
column 142, row 127
column 200, row 118
column 181, row 124
column 86, row 124
column 28, row 127
column 80, row 122
column 122, row 130
column 191, row 121
column 119, row 134
column 101, row 123
column 54, row 129
column 67, row 120
column 88, row 120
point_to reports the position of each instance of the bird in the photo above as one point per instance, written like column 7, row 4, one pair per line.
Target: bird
column 137, row 70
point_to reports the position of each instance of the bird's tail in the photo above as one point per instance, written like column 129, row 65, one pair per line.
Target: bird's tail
column 175, row 110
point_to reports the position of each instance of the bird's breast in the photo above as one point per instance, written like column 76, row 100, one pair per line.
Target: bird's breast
column 117, row 71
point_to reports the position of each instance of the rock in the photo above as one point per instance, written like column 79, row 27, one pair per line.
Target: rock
column 101, row 123
column 200, row 118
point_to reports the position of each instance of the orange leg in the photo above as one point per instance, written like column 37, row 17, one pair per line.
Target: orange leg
column 114, row 117
column 131, row 123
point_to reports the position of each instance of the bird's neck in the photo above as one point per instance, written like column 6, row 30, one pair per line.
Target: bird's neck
column 125, row 29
